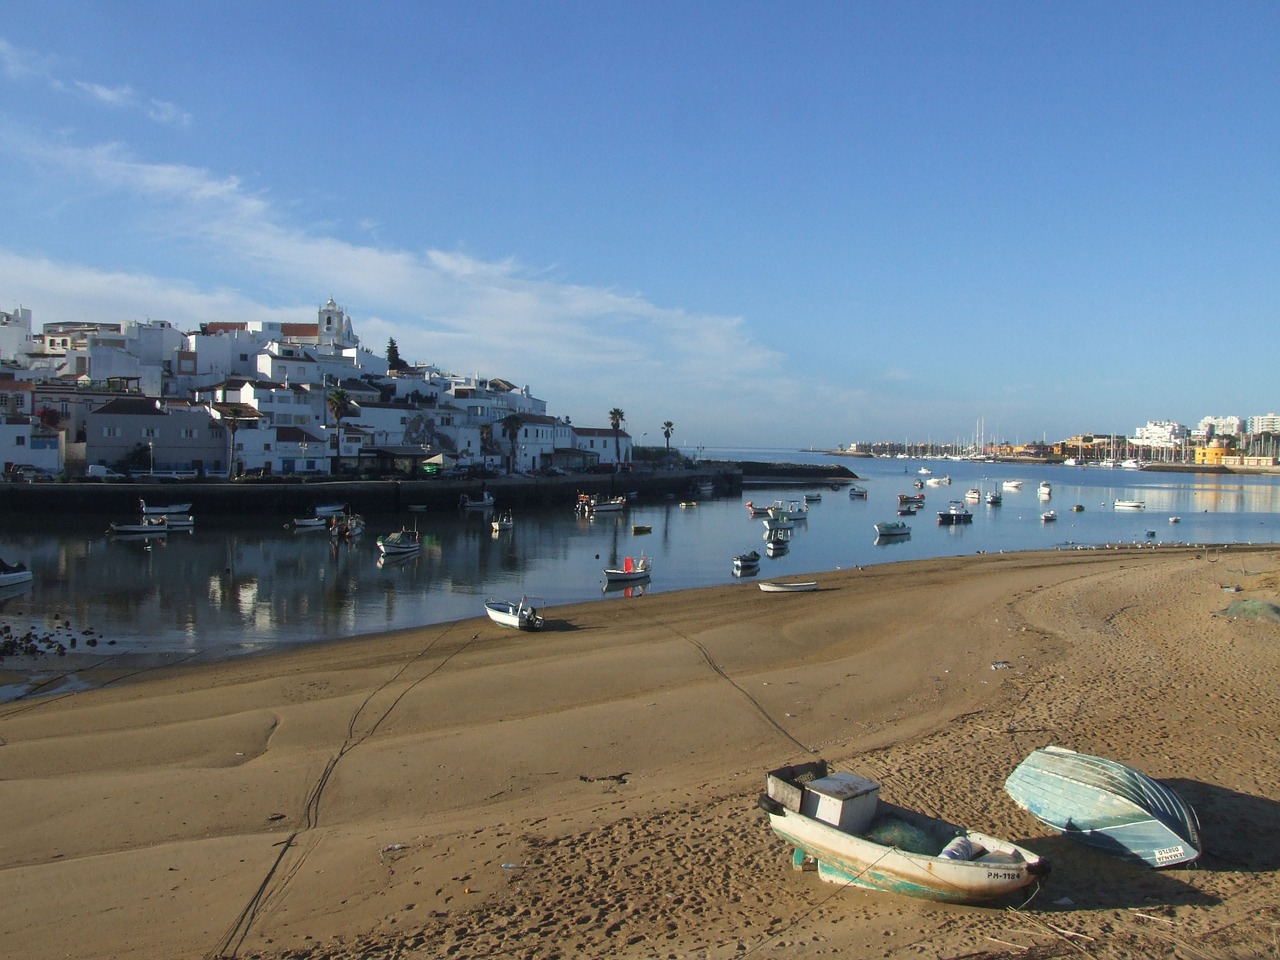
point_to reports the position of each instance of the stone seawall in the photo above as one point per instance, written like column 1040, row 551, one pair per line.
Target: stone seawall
column 33, row 504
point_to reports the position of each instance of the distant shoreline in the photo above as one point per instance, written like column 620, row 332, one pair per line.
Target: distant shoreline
column 1057, row 461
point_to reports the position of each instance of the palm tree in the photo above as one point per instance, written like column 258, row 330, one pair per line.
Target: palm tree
column 511, row 425
column 668, row 428
column 339, row 406
column 616, row 419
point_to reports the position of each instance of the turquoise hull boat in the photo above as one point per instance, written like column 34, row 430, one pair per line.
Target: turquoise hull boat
column 1106, row 805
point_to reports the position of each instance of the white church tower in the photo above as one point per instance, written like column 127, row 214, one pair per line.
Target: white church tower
column 333, row 328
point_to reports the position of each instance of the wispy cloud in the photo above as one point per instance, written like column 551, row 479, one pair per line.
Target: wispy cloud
column 25, row 65
column 581, row 347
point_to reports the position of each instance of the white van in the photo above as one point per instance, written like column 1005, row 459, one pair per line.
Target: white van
column 97, row 471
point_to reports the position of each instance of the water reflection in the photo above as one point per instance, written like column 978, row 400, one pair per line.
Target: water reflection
column 229, row 586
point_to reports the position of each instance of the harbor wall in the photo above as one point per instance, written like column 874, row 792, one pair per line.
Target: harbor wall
column 35, row 503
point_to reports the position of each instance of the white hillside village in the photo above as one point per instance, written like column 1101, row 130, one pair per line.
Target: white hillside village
column 242, row 398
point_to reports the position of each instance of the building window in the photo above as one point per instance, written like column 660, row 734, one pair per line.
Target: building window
column 150, row 433
column 20, row 441
column 111, row 432
column 188, row 433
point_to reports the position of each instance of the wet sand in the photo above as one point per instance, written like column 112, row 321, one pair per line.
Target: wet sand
column 466, row 790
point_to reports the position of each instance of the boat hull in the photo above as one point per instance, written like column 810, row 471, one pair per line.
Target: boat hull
column 513, row 615
column 852, row 858
column 1106, row 805
column 806, row 586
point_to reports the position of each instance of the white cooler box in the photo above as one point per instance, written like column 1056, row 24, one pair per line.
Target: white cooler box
column 844, row 800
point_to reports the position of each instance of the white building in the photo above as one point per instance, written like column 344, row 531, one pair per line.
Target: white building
column 1268, row 423
column 1160, row 434
column 1220, row 427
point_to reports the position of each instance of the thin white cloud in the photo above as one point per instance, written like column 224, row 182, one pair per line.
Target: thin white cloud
column 111, row 96
column 584, row 349
column 22, row 65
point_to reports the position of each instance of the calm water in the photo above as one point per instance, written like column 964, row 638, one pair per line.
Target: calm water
column 221, row 591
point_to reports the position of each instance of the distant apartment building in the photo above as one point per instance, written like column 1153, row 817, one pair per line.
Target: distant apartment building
column 1268, row 423
column 1210, row 427
column 1160, row 434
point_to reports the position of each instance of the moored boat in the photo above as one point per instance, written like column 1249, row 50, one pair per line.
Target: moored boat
column 857, row 493
column 956, row 513
column 973, row 495
column 631, row 570
column 994, row 498
column 504, row 521
column 346, row 525
column 1012, row 484
column 1049, row 516
column 482, row 502
column 1130, row 504
column 153, row 526
column 1045, row 490
column 892, row 528
column 1107, row 805
column 748, row 562
column 838, row 822
column 12, row 574
column 401, row 543
column 161, row 509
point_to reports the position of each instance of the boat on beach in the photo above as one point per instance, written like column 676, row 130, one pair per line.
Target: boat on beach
column 838, row 823
column 1106, row 805
column 522, row 615
column 793, row 586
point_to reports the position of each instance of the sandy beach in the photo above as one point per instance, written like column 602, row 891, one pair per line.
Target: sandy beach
column 466, row 790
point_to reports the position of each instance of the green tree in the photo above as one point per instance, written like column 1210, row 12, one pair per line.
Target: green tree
column 668, row 428
column 616, row 419
column 393, row 356
column 339, row 404
column 511, row 425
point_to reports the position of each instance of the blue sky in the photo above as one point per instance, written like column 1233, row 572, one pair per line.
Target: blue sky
column 772, row 224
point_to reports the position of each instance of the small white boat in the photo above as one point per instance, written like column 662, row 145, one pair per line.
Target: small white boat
column 630, row 571
column 159, row 510
column 973, row 495
column 1130, row 504
column 329, row 509
column 401, row 543
column 857, row 493
column 994, row 498
column 1175, row 519
column 12, row 574
column 746, row 562
column 792, row 586
column 345, row 526
column 838, row 822
column 776, row 548
column 1045, row 490
column 771, row 524
column 177, row 522
column 482, row 502
column 755, row 511
column 153, row 526
column 892, row 528
column 504, row 521
column 791, row 510
column 522, row 615
column 1049, row 516
column 1012, row 484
